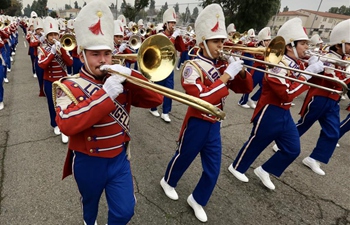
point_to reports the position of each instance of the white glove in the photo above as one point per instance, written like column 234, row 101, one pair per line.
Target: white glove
column 113, row 86
column 122, row 47
column 58, row 44
column 316, row 67
column 118, row 68
column 53, row 49
column 312, row 60
column 42, row 39
column 176, row 33
column 234, row 68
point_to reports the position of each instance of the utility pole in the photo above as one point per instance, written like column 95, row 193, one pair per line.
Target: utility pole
column 315, row 17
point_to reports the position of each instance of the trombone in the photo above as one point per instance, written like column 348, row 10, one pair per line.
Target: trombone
column 156, row 59
column 273, row 54
column 68, row 41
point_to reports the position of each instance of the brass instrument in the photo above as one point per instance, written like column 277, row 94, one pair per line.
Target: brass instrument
column 143, row 32
column 2, row 25
column 156, row 59
column 273, row 54
column 134, row 29
column 68, row 41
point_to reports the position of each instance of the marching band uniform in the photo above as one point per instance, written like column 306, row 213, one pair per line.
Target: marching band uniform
column 119, row 47
column 272, row 119
column 323, row 106
column 94, row 111
column 35, row 42
column 31, row 50
column 245, row 101
column 54, row 65
column 207, row 78
column 264, row 37
column 169, row 21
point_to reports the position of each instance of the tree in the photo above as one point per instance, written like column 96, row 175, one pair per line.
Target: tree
column 76, row 6
column 195, row 13
column 66, row 6
column 84, row 4
column 53, row 14
column 152, row 8
column 14, row 9
column 4, row 4
column 340, row 10
column 27, row 10
column 40, row 7
column 130, row 11
column 285, row 9
column 246, row 14
column 162, row 10
column 176, row 7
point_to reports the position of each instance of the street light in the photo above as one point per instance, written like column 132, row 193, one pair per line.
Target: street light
column 315, row 17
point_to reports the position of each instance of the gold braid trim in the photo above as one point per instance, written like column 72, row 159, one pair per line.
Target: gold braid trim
column 58, row 84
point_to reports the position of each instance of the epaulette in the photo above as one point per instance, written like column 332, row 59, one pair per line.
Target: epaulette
column 59, row 84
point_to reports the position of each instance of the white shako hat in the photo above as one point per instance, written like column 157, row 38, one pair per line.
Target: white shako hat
column 251, row 33
column 123, row 19
column 292, row 30
column 118, row 28
column 94, row 27
column 169, row 15
column 131, row 24
column 33, row 14
column 50, row 25
column 159, row 27
column 62, row 25
column 38, row 23
column 210, row 24
column 31, row 22
column 264, row 34
column 70, row 24
column 140, row 22
column 340, row 33
column 231, row 28
column 315, row 39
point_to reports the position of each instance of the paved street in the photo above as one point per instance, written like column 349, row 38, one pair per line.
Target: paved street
column 32, row 157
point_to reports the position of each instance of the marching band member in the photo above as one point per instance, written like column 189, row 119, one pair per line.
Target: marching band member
column 316, row 43
column 31, row 50
column 169, row 23
column 209, row 78
column 119, row 46
column 98, row 121
column 77, row 64
column 35, row 41
column 231, row 30
column 264, row 38
column 272, row 120
column 53, row 59
column 323, row 106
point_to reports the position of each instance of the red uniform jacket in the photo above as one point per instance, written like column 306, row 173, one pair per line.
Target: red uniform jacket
column 53, row 69
column 279, row 91
column 200, row 78
column 94, row 123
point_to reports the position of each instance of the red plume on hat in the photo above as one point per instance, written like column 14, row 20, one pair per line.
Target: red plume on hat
column 96, row 28
column 216, row 27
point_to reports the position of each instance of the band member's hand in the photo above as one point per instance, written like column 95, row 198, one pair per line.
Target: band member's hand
column 234, row 68
column 113, row 86
column 122, row 47
column 312, row 60
column 117, row 67
column 53, row 49
column 176, row 33
column 317, row 67
column 58, row 44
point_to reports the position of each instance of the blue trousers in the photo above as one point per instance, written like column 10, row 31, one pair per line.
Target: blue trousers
column 77, row 64
column 271, row 124
column 39, row 74
column 8, row 55
column 32, row 58
column 257, row 79
column 344, row 126
column 167, row 102
column 112, row 175
column 48, row 93
column 183, row 57
column 199, row 137
column 326, row 112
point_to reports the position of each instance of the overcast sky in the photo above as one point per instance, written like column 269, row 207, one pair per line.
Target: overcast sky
column 292, row 4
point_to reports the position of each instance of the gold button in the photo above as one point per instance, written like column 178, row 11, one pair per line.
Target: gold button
column 75, row 85
column 81, row 98
column 89, row 138
column 91, row 150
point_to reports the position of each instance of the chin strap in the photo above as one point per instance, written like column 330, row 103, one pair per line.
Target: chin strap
column 294, row 50
column 86, row 63
column 207, row 49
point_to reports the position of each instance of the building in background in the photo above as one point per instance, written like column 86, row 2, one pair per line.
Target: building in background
column 313, row 21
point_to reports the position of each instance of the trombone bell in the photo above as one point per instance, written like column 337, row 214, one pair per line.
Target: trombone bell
column 157, row 57
column 68, row 42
